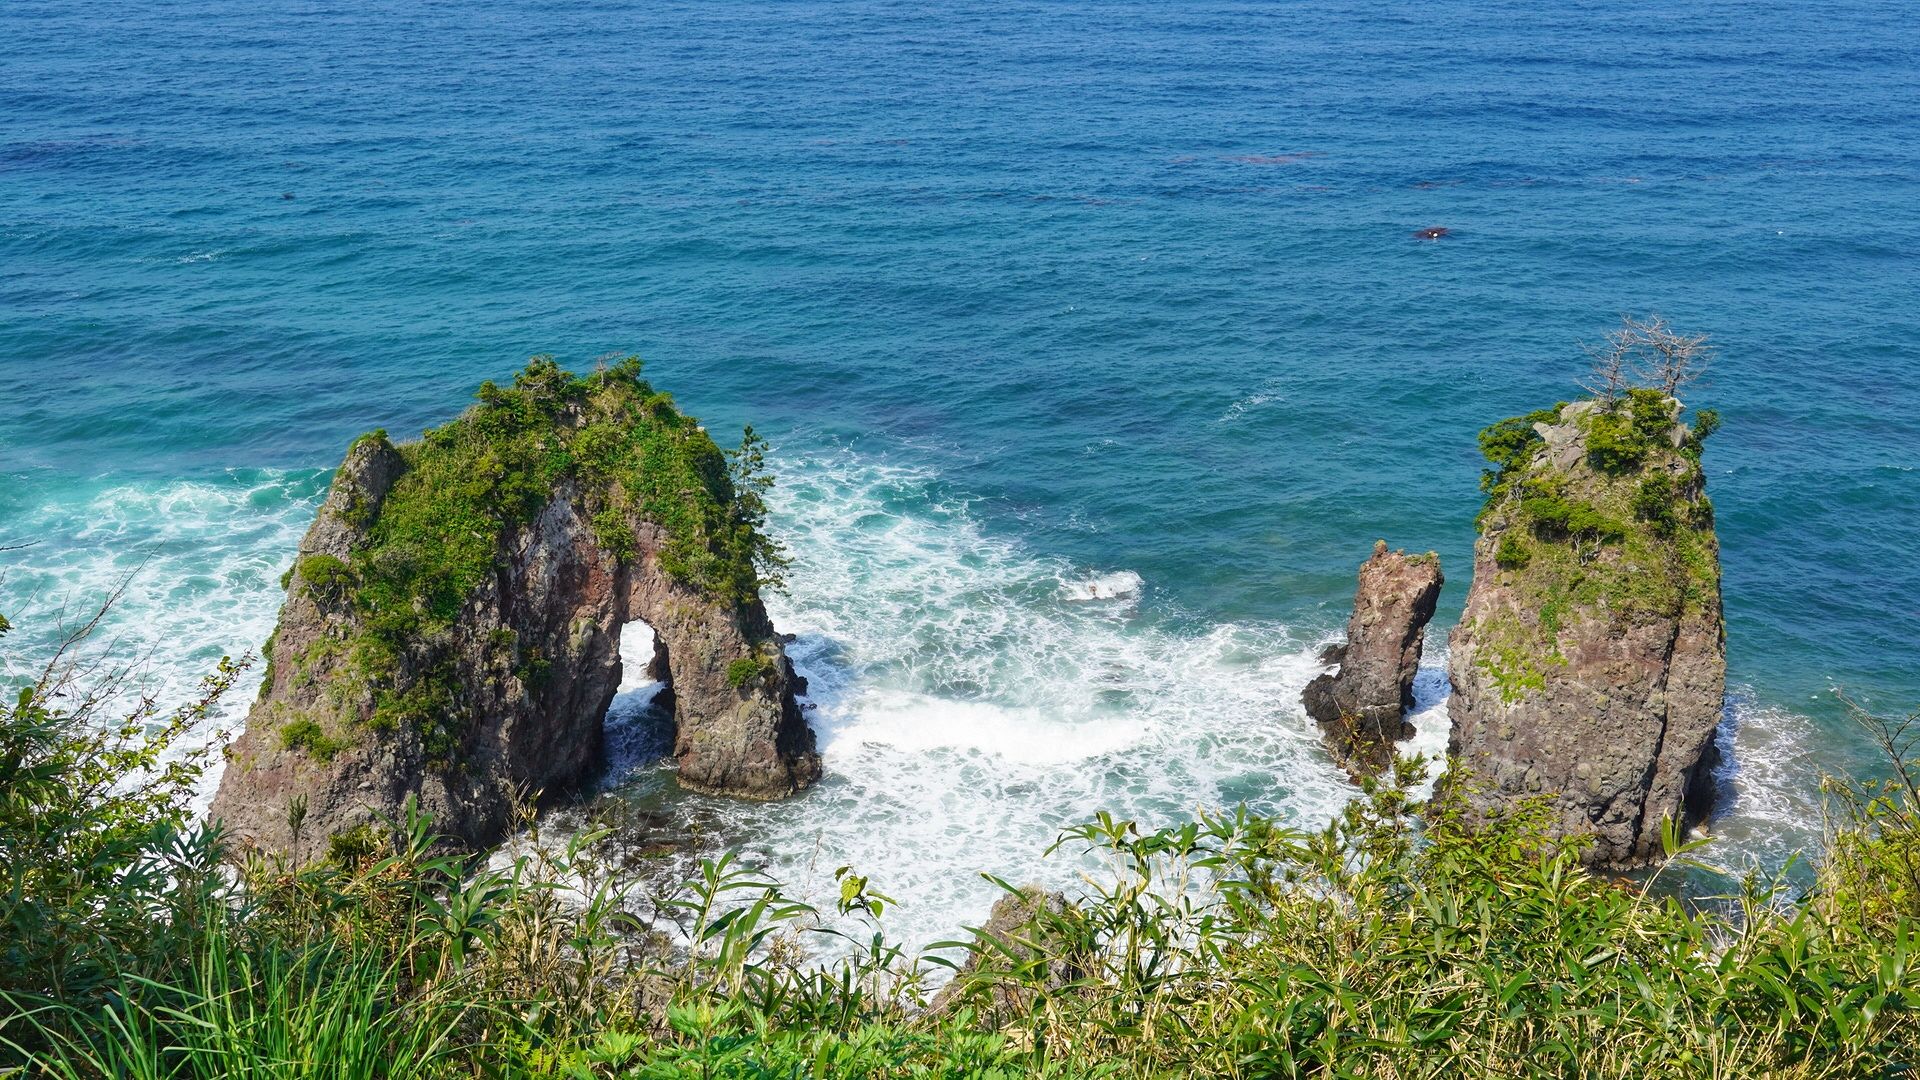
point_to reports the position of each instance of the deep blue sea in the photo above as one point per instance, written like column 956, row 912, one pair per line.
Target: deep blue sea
column 1025, row 295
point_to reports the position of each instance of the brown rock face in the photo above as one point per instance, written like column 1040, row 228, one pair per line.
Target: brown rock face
column 526, row 669
column 1589, row 666
column 1362, row 708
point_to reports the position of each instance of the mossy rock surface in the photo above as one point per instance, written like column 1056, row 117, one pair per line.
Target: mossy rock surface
column 466, row 485
column 452, row 621
column 1612, row 522
column 1589, row 662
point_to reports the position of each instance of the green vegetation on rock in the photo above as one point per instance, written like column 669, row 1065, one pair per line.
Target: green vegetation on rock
column 1624, row 530
column 1385, row 945
column 305, row 734
column 742, row 671
column 1622, row 433
column 610, row 440
column 326, row 576
column 1510, row 445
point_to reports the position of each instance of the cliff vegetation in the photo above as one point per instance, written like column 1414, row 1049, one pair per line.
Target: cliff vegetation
column 435, row 537
column 1623, row 526
column 1382, row 946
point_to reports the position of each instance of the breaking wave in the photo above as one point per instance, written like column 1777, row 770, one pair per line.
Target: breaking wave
column 972, row 697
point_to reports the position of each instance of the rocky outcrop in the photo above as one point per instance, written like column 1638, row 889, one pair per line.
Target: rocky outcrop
column 452, row 623
column 1023, row 927
column 1361, row 708
column 1588, row 668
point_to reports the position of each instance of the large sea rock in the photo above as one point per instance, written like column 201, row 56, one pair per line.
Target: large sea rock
column 1362, row 708
column 427, row 650
column 1589, row 668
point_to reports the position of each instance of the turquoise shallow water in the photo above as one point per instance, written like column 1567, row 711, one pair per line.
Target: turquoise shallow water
column 1024, row 294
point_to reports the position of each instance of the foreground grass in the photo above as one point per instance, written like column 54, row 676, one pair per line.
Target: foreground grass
column 1390, row 944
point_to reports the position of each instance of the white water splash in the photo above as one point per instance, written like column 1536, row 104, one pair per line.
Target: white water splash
column 1264, row 396
column 968, row 707
column 198, row 563
column 1767, row 806
column 1119, row 585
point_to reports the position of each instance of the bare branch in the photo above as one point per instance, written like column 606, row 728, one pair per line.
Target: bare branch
column 1645, row 354
column 1611, row 374
column 1672, row 360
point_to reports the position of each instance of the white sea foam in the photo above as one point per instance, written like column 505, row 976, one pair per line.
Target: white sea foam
column 1265, row 395
column 199, row 562
column 1119, row 585
column 1429, row 713
column 968, row 706
column 1768, row 799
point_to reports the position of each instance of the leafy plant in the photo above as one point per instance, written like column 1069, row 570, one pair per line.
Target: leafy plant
column 1401, row 940
column 305, row 734
column 327, row 576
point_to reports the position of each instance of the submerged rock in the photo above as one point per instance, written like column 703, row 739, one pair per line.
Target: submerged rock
column 1362, row 708
column 1119, row 585
column 452, row 623
column 1589, row 667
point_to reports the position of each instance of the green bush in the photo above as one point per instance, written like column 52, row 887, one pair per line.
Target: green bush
column 304, row 734
column 1621, row 434
column 1555, row 517
column 1705, row 423
column 1510, row 446
column 325, row 575
column 1512, row 553
column 1399, row 941
column 355, row 846
column 1653, row 503
column 746, row 669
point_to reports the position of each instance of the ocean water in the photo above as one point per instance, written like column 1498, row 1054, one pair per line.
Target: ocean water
column 1026, row 296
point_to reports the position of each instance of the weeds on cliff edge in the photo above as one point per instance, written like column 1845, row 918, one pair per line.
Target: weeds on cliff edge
column 1393, row 943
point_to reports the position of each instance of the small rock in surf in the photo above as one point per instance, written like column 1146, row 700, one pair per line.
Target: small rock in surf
column 1120, row 585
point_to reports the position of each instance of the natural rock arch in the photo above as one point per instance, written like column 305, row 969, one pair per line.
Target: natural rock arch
column 738, row 729
column 451, row 632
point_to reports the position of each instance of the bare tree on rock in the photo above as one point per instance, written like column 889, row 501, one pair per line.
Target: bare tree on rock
column 1646, row 353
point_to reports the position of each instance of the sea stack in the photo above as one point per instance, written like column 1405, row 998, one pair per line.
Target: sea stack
column 452, row 622
column 1361, row 708
column 1589, row 667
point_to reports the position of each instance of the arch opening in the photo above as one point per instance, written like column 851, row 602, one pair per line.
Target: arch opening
column 639, row 725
